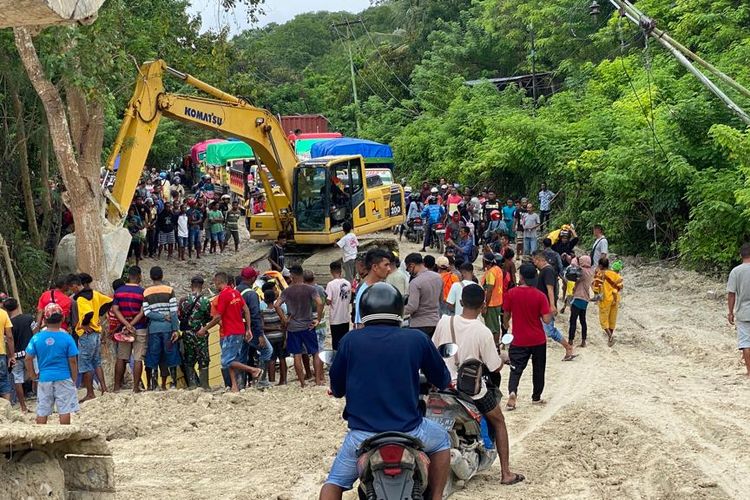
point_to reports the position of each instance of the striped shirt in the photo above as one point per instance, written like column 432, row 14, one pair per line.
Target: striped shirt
column 129, row 299
column 160, row 307
column 271, row 321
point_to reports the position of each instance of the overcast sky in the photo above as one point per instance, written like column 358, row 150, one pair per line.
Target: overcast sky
column 276, row 11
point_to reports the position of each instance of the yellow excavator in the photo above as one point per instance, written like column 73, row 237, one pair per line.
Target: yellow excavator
column 315, row 197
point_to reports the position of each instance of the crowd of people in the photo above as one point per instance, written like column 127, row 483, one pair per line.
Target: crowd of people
column 162, row 219
column 163, row 339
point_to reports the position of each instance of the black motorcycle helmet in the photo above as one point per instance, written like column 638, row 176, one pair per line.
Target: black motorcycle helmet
column 381, row 304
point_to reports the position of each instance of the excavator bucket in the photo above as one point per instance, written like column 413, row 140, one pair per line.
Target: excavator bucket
column 15, row 13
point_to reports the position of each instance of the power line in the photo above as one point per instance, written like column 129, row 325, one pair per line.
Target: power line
column 649, row 120
column 383, row 58
column 360, row 51
column 374, row 73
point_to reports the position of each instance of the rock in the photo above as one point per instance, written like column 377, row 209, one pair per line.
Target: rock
column 715, row 295
column 708, row 484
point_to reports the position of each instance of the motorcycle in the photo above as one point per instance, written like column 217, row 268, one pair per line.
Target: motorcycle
column 414, row 230
column 391, row 465
column 438, row 237
column 472, row 438
column 394, row 466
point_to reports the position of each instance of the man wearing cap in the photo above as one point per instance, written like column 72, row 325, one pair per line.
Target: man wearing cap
column 194, row 313
column 259, row 341
column 449, row 278
column 55, row 352
column 492, row 282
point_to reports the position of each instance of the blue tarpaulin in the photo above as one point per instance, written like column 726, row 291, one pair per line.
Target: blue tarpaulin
column 351, row 146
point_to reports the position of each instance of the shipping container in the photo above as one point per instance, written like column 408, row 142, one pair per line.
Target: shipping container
column 306, row 124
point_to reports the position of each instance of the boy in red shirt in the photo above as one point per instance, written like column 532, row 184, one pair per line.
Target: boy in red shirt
column 527, row 307
column 234, row 316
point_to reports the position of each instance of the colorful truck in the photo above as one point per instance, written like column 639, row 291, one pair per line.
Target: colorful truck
column 378, row 157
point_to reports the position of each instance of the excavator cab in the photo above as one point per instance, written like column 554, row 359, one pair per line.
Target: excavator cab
column 331, row 190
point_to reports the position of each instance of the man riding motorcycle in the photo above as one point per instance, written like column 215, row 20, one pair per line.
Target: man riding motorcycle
column 433, row 214
column 377, row 369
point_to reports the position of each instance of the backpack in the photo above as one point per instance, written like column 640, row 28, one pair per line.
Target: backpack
column 469, row 373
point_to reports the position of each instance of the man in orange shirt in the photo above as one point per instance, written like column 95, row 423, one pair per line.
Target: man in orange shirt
column 492, row 281
column 449, row 278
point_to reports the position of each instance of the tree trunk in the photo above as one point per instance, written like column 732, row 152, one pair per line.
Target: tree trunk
column 23, row 163
column 9, row 268
column 85, row 195
column 44, row 174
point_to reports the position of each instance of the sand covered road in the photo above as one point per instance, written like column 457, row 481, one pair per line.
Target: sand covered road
column 665, row 413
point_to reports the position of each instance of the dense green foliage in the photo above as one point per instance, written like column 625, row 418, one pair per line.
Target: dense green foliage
column 630, row 138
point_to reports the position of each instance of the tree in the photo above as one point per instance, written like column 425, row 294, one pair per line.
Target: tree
column 77, row 146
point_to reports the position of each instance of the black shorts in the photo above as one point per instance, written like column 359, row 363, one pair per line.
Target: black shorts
column 488, row 402
column 337, row 333
column 278, row 348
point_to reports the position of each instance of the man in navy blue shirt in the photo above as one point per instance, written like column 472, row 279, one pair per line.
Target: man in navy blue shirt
column 377, row 369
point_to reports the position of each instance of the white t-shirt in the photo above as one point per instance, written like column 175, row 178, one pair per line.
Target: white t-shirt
column 182, row 226
column 339, row 292
column 601, row 246
column 349, row 244
column 474, row 341
column 454, row 295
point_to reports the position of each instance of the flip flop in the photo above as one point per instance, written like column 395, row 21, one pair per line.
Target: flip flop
column 509, row 407
column 570, row 357
column 515, row 480
column 539, row 402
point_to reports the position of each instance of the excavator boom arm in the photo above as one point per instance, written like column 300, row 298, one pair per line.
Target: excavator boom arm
column 223, row 113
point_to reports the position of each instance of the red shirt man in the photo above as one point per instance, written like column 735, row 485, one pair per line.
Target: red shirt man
column 526, row 307
column 230, row 306
column 55, row 295
column 234, row 316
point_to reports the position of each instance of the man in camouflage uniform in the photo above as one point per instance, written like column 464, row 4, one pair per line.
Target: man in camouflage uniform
column 194, row 313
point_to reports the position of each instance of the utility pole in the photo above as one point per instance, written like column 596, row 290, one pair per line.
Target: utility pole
column 533, row 65
column 349, row 37
column 684, row 57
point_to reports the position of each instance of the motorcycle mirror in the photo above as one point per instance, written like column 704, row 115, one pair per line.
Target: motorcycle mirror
column 507, row 339
column 327, row 356
column 448, row 350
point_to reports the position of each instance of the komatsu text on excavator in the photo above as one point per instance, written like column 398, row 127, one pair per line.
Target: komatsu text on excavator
column 315, row 197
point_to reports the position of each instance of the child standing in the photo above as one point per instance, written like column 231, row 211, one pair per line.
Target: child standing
column 608, row 284
column 182, row 232
column 274, row 328
column 348, row 244
column 55, row 352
